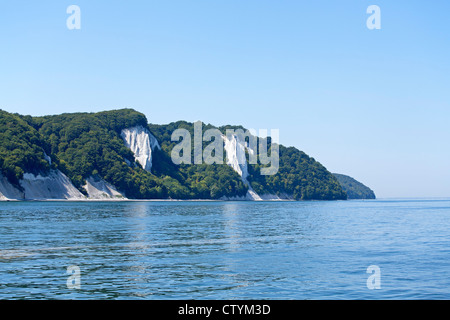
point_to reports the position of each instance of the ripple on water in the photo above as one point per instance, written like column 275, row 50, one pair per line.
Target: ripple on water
column 225, row 250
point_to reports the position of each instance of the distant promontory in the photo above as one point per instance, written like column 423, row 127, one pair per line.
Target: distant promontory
column 353, row 188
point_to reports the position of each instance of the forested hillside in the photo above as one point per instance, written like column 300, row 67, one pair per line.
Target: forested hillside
column 84, row 145
column 353, row 188
column 299, row 175
column 22, row 148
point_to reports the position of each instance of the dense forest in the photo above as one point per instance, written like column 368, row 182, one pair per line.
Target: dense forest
column 22, row 148
column 82, row 145
column 353, row 188
column 89, row 144
column 299, row 175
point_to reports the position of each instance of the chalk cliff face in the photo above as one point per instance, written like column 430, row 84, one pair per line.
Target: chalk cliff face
column 99, row 189
column 55, row 185
column 235, row 149
column 8, row 191
column 142, row 143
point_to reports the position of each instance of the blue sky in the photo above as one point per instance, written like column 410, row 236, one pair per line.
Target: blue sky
column 373, row 104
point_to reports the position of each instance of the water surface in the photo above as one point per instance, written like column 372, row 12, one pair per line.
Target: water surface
column 225, row 250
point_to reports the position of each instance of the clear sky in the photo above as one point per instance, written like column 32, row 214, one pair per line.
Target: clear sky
column 373, row 104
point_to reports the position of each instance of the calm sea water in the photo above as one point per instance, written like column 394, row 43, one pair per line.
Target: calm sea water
column 225, row 250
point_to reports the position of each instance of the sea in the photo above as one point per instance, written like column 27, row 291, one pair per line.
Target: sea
column 278, row 250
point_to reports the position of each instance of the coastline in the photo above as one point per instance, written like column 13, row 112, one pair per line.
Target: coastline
column 165, row 200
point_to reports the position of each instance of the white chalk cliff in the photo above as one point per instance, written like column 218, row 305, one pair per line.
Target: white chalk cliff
column 235, row 150
column 8, row 191
column 99, row 189
column 54, row 185
column 57, row 186
column 142, row 143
